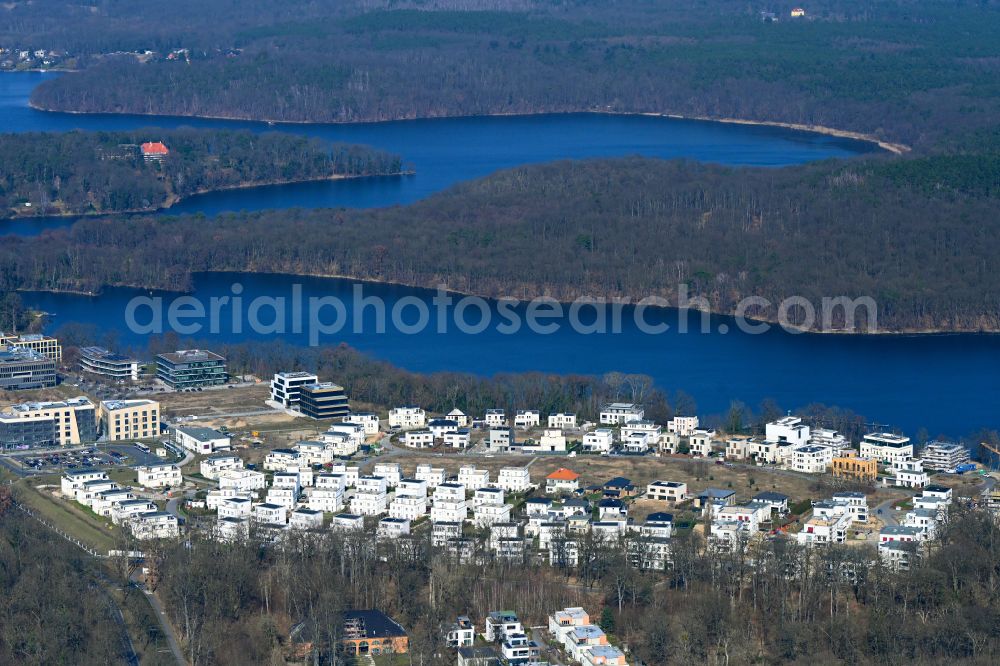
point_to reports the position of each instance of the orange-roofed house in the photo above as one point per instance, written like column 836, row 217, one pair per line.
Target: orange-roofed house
column 562, row 480
column 154, row 151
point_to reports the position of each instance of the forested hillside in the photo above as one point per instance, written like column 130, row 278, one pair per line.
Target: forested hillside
column 77, row 173
column 904, row 70
column 917, row 235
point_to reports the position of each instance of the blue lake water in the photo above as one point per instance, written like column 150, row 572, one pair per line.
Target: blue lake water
column 947, row 384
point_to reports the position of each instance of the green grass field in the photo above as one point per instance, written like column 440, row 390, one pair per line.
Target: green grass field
column 68, row 516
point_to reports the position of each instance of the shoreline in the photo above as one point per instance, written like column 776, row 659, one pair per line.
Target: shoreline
column 890, row 147
column 791, row 330
column 173, row 200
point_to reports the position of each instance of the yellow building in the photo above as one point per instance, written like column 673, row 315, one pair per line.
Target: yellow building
column 130, row 419
column 849, row 464
column 42, row 344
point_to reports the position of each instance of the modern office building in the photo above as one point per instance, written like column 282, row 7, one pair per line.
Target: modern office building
column 23, row 368
column 61, row 423
column 129, row 419
column 944, row 456
column 191, row 368
column 42, row 344
column 323, row 401
column 286, row 387
column 104, row 363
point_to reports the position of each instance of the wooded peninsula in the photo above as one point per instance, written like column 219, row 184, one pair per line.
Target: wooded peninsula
column 88, row 173
column 912, row 233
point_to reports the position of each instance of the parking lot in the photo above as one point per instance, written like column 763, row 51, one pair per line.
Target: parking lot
column 104, row 455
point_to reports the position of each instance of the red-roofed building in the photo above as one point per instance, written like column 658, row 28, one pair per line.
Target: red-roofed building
column 154, row 150
column 562, row 480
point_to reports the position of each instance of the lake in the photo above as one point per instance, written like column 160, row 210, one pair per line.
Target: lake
column 946, row 383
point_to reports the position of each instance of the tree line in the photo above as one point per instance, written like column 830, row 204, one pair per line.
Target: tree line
column 906, row 72
column 105, row 172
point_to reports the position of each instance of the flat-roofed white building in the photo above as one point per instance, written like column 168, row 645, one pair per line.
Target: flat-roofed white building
column 683, row 425
column 501, row 439
column 124, row 510
column 75, row 478
column 551, row 441
column 392, row 528
column 286, row 387
column 210, row 468
column 527, row 418
column 235, row 507
column 345, row 522
column 944, row 456
column 305, row 519
column 327, row 499
column 405, row 418
column 700, row 442
column 618, row 413
column 413, row 487
column 162, row 475
column 215, row 498
column 418, row 439
column 494, row 496
column 279, row 460
column 472, row 477
column 350, row 473
column 434, row 476
column 908, row 473
column 486, row 515
column 369, row 503
column 495, row 418
column 788, row 429
column 286, row 497
column 368, row 420
column 201, row 440
column 514, row 479
column 666, row 491
column 390, row 472
column 408, row 507
column 244, row 480
column 270, row 514
column 886, row 447
column 103, row 502
column 562, row 420
column 812, row 459
column 311, row 453
column 154, row 525
column 458, row 439
column 600, row 440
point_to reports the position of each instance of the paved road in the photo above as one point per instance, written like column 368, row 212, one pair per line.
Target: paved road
column 161, row 616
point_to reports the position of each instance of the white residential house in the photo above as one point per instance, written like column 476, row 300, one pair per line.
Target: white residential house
column 408, row 507
column 161, row 475
column 527, row 418
column 886, row 447
column 418, row 439
column 89, row 490
column 367, row 420
column 485, row 495
column 287, row 480
column 472, row 477
column 458, row 439
column 285, row 497
column 562, row 420
column 487, row 515
column 346, row 522
column 243, row 480
column 857, row 504
column 154, row 525
column 828, row 524
column 392, row 528
column 235, row 507
column 103, row 503
column 75, row 478
column 900, row 533
column 684, row 426
column 551, row 441
column 666, row 491
column 405, row 418
column 495, row 418
column 790, row 430
column 210, row 468
column 279, row 460
column 354, row 431
column 414, row 487
column 514, row 479
column 327, row 499
column 812, row 459
column 270, row 514
column 439, row 427
column 639, row 442
column 617, row 413
column 350, row 473
column 449, row 503
column 215, row 498
column 305, row 519
column 700, row 442
column 229, row 530
column 600, row 440
column 338, row 444
column 461, row 634
column 201, row 440
column 830, row 438
column 433, row 476
column 388, row 471
column 908, row 473
column 125, row 510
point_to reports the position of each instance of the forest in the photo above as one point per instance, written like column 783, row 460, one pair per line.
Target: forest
column 79, row 173
column 906, row 71
column 53, row 609
column 914, row 234
column 772, row 602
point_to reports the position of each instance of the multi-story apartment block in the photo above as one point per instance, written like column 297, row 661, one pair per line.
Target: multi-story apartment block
column 286, row 387
column 618, row 413
column 162, row 475
column 57, row 423
column 130, row 419
column 405, row 418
